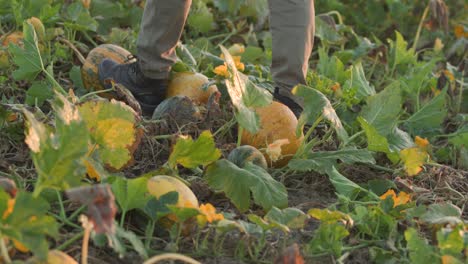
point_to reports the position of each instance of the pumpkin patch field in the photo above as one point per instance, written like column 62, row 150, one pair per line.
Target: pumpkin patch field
column 373, row 170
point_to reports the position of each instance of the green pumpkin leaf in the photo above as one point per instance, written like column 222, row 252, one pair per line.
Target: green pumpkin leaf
column 420, row 251
column 359, row 83
column 192, row 154
column 443, row 213
column 200, row 19
column 58, row 155
column 428, row 120
column 377, row 142
column 451, row 241
column 328, row 238
column 321, row 161
column 237, row 184
column 28, row 223
column 290, row 217
column 343, row 185
column 112, row 126
column 38, row 93
column 157, row 208
column 183, row 213
column 130, row 193
column 27, row 58
column 317, row 104
column 382, row 109
column 244, row 95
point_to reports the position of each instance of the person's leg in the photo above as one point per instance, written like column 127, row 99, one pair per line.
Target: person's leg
column 161, row 27
column 147, row 77
column 292, row 25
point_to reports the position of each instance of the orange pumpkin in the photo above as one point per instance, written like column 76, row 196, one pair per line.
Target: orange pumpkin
column 277, row 121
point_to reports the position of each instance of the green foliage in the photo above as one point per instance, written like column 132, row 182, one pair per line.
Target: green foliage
column 130, row 193
column 192, row 154
column 58, row 163
column 28, row 222
column 237, row 183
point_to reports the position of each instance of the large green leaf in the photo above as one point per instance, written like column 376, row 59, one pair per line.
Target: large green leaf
column 377, row 142
column 112, row 126
column 200, row 19
column 192, row 154
column 237, row 183
column 343, row 185
column 244, row 95
column 332, row 67
column 443, row 213
column 290, row 217
column 316, row 104
column 428, row 120
column 58, row 155
column 130, row 193
column 27, row 58
column 28, row 222
column 382, row 109
column 399, row 56
column 321, row 161
column 420, row 252
column 157, row 208
column 359, row 83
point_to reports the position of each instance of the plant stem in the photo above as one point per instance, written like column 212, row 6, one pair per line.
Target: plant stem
column 95, row 92
column 149, row 233
column 239, row 136
column 4, row 251
column 70, row 241
column 122, row 218
column 418, row 32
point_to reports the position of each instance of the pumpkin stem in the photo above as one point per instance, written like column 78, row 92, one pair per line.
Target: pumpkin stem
column 74, row 48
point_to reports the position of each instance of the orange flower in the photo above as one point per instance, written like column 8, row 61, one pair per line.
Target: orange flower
column 222, row 71
column 421, row 142
column 208, row 213
column 401, row 198
column 459, row 31
column 274, row 149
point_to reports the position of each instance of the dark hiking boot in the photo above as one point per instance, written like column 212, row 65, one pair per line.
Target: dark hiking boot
column 295, row 107
column 148, row 92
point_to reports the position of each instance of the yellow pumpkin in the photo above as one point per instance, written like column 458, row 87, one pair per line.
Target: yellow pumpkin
column 190, row 84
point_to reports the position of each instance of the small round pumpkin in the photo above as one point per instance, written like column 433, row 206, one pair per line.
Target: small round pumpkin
column 190, row 84
column 89, row 70
column 247, row 153
column 277, row 121
column 163, row 184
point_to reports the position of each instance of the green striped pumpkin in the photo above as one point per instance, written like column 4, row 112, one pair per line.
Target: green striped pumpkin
column 246, row 153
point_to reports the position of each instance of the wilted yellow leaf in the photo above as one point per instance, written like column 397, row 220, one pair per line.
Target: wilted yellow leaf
column 401, row 198
column 413, row 159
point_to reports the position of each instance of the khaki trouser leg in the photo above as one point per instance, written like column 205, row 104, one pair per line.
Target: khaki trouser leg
column 292, row 25
column 161, row 27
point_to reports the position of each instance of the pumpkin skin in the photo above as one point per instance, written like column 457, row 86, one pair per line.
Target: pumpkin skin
column 190, row 84
column 89, row 70
column 162, row 184
column 277, row 121
column 246, row 153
